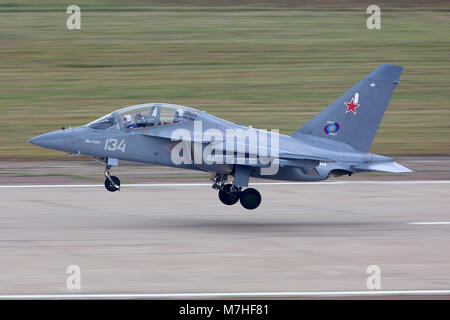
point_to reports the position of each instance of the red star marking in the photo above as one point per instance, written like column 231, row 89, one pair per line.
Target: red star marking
column 351, row 107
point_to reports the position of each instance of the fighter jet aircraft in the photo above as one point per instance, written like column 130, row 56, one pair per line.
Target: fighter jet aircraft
column 333, row 143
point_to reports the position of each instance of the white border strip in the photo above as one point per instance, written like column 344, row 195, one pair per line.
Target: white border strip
column 229, row 295
column 440, row 222
column 209, row 184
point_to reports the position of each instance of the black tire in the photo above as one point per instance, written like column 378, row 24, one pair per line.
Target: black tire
column 109, row 186
column 228, row 198
column 250, row 198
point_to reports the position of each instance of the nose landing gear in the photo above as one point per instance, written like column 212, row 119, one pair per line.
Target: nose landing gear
column 230, row 194
column 112, row 183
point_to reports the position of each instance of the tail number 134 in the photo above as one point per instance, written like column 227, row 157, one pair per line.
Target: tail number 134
column 112, row 144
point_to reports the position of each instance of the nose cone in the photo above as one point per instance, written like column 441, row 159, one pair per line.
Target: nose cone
column 38, row 140
column 57, row 140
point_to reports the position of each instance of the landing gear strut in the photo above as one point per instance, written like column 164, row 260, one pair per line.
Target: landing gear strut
column 112, row 183
column 230, row 194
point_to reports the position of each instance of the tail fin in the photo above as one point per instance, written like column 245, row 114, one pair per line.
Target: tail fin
column 355, row 116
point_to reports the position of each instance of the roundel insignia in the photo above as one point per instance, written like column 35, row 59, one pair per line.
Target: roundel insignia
column 331, row 128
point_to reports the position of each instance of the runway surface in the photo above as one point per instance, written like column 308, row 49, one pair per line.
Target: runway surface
column 168, row 238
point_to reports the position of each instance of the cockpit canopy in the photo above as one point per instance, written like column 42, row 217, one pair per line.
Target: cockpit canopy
column 145, row 115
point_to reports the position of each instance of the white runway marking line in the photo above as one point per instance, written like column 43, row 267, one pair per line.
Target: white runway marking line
column 228, row 295
column 427, row 223
column 209, row 184
column 433, row 161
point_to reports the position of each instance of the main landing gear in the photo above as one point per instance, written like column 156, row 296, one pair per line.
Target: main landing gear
column 229, row 193
column 112, row 183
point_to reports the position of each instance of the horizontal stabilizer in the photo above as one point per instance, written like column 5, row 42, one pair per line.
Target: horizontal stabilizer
column 391, row 166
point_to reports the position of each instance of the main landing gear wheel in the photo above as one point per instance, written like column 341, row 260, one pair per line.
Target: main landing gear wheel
column 227, row 196
column 250, row 198
column 113, row 184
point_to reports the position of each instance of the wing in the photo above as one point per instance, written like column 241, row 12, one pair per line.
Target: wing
column 229, row 151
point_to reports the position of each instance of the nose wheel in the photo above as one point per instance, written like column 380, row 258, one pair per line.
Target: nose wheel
column 112, row 183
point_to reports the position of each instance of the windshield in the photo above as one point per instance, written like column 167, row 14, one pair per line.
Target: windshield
column 103, row 123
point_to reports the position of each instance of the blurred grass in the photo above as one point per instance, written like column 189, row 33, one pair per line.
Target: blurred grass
column 271, row 67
